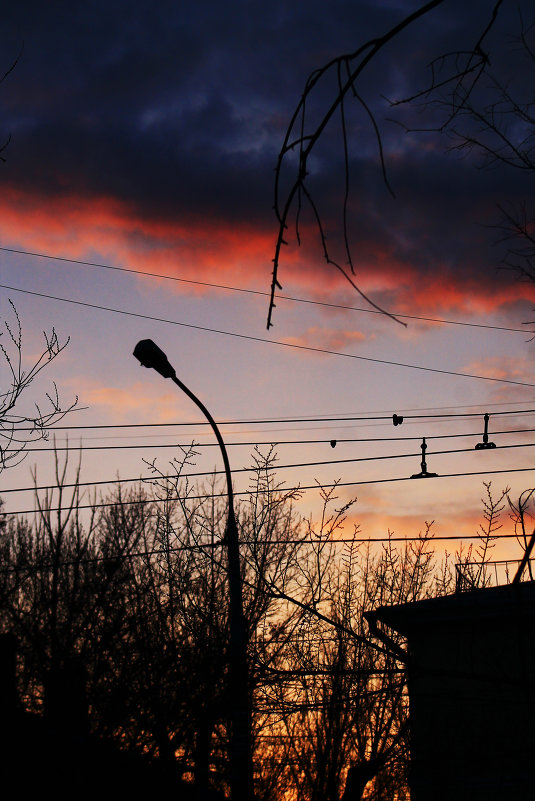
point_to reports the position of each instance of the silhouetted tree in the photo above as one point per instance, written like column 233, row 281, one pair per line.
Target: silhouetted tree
column 194, row 613
column 63, row 586
column 120, row 610
column 339, row 706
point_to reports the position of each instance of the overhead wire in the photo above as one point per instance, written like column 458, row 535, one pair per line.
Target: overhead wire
column 296, row 489
column 329, row 462
column 225, row 287
column 7, row 430
column 183, row 446
column 202, row 438
column 256, row 443
column 322, row 419
column 327, row 418
column 409, row 419
column 273, row 467
column 214, row 545
column 276, row 441
column 292, row 345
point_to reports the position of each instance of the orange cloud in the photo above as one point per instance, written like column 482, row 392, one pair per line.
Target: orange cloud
column 328, row 339
column 216, row 251
column 135, row 401
column 80, row 228
column 440, row 294
column 460, row 523
column 505, row 367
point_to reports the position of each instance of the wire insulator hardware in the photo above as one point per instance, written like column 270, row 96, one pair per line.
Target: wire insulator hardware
column 485, row 443
column 423, row 464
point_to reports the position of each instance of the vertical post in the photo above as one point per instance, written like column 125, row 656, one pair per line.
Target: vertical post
column 241, row 770
column 241, row 759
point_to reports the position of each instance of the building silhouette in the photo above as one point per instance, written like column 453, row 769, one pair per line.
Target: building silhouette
column 471, row 681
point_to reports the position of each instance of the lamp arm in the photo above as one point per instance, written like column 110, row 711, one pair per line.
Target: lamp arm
column 219, row 438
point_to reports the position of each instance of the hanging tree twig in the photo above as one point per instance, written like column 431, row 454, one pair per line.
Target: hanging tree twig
column 305, row 142
column 302, row 138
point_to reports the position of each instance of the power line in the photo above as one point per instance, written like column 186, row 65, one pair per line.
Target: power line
column 7, row 434
column 276, row 441
column 325, row 462
column 275, row 466
column 178, row 446
column 259, row 292
column 251, row 338
column 336, row 485
column 207, row 546
column 202, row 546
column 273, row 420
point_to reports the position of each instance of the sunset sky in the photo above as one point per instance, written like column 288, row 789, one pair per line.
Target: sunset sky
column 144, row 138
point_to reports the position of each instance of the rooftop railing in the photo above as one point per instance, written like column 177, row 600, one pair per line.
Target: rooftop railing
column 470, row 575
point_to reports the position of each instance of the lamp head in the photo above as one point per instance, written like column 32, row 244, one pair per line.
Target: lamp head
column 150, row 355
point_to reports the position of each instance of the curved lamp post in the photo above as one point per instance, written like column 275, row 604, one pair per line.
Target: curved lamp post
column 241, row 767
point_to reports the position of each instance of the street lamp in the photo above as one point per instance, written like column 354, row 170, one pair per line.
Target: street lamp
column 241, row 764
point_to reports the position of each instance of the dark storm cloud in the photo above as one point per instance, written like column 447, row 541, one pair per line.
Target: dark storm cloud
column 443, row 224
column 180, row 109
column 166, row 105
column 159, row 83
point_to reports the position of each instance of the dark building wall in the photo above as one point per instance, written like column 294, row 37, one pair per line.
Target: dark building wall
column 472, row 693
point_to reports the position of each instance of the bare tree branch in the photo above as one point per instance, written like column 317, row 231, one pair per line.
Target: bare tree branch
column 19, row 428
column 347, row 69
column 463, row 73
